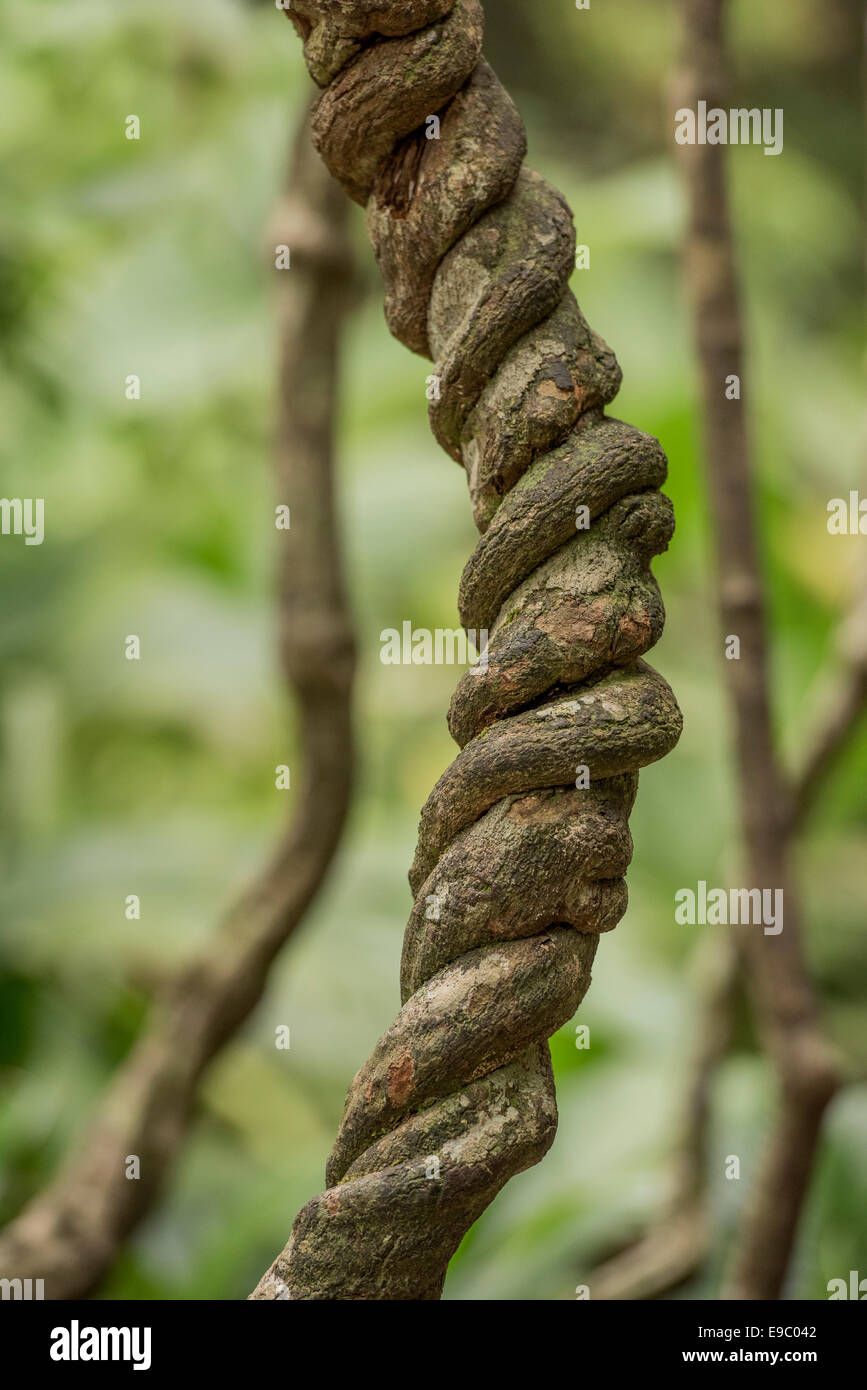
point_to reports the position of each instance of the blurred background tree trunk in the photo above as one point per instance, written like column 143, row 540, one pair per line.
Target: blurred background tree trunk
column 71, row 1234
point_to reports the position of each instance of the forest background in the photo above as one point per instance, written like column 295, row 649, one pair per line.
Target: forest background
column 156, row 777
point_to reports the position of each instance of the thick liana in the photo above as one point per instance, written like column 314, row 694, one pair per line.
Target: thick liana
column 524, row 841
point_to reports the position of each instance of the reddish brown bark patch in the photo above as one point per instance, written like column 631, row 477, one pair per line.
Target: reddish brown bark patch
column 399, row 1078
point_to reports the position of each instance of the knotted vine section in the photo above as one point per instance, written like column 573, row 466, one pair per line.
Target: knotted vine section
column 519, row 864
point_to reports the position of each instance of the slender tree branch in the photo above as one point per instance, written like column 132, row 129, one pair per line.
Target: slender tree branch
column 841, row 712
column 676, row 1245
column 786, row 1008
column 71, row 1234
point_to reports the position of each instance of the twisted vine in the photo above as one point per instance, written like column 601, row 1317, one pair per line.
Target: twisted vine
column 519, row 866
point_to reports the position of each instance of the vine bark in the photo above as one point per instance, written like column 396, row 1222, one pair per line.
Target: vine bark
column 519, row 865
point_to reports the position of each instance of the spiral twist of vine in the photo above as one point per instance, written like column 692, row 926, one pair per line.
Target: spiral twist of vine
column 519, row 864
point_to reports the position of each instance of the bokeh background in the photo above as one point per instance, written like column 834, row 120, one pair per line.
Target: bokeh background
column 157, row 777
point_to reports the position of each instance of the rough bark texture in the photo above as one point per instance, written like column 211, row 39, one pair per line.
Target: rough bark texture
column 71, row 1234
column 516, row 872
